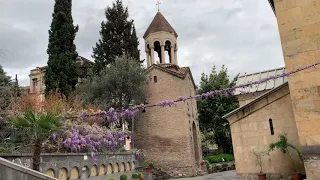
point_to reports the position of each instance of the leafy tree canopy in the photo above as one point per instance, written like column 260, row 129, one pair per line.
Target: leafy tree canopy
column 212, row 110
column 116, row 86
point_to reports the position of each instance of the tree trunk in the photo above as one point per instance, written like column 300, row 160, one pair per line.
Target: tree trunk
column 36, row 155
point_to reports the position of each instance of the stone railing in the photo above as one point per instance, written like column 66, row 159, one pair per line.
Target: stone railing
column 65, row 166
column 12, row 171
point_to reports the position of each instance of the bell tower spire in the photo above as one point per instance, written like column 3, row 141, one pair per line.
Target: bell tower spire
column 161, row 40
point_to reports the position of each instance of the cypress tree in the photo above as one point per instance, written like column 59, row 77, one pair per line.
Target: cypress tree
column 117, row 37
column 61, row 73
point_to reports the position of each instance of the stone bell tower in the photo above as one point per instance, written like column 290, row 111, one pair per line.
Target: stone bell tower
column 169, row 136
column 161, row 38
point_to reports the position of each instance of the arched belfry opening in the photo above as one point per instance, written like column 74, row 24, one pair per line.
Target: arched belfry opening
column 168, row 51
column 161, row 38
column 157, row 48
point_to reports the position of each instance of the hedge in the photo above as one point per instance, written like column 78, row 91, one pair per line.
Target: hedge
column 219, row 158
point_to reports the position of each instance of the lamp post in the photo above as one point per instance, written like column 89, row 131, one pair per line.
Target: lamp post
column 132, row 128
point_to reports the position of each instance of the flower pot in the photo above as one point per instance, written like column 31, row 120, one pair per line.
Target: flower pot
column 142, row 176
column 148, row 170
column 262, row 176
column 296, row 176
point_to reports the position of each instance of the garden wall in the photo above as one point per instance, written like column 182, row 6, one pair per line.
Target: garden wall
column 80, row 165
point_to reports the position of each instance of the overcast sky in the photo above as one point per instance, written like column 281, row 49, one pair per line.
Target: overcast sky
column 242, row 34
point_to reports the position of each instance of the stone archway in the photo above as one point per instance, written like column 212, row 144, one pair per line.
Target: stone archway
column 50, row 172
column 195, row 143
column 63, row 174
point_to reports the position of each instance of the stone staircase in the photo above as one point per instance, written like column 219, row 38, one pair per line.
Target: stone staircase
column 12, row 171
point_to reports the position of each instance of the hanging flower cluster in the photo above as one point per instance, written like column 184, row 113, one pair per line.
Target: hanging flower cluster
column 84, row 137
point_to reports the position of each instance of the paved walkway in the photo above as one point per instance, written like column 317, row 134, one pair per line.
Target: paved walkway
column 226, row 175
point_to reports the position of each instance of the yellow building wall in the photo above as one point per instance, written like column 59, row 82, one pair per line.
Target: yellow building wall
column 250, row 130
column 299, row 27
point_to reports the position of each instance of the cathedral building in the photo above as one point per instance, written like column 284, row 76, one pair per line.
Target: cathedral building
column 169, row 136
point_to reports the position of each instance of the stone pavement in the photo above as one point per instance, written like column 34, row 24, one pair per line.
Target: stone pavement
column 226, row 175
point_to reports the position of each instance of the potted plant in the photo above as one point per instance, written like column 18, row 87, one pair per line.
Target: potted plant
column 123, row 177
column 141, row 176
column 149, row 165
column 136, row 176
column 258, row 156
column 283, row 145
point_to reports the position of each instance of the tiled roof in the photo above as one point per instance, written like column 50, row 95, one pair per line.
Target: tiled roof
column 159, row 23
column 175, row 70
column 258, row 76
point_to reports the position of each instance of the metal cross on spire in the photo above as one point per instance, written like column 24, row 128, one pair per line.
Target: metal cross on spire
column 158, row 4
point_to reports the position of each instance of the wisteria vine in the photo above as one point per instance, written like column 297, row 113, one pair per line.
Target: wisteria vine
column 113, row 115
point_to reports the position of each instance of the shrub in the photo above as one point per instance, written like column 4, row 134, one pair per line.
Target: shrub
column 224, row 165
column 123, row 177
column 136, row 175
column 219, row 158
column 111, row 179
column 149, row 164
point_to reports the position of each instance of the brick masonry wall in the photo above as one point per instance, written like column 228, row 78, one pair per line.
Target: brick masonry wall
column 166, row 134
column 250, row 130
column 299, row 27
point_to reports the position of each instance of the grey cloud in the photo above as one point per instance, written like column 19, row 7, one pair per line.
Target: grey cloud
column 243, row 35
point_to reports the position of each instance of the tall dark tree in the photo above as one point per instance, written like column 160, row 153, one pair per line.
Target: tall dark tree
column 212, row 110
column 61, row 73
column 117, row 37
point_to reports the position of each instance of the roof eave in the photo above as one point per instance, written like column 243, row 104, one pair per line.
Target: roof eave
column 255, row 100
column 271, row 2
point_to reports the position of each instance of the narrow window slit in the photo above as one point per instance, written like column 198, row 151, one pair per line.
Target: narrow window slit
column 271, row 126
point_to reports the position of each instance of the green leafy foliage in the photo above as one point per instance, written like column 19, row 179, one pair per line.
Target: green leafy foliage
column 61, row 73
column 149, row 164
column 211, row 110
column 123, row 177
column 219, row 158
column 284, row 145
column 118, row 37
column 117, row 86
column 111, row 179
column 42, row 125
column 224, row 165
column 136, row 175
column 6, row 89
